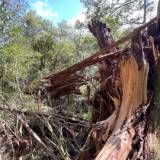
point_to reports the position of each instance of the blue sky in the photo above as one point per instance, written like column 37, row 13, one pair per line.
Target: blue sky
column 58, row 10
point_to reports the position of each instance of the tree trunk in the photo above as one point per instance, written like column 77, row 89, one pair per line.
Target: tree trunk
column 124, row 106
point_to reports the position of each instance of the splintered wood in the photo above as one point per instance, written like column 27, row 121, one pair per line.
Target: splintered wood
column 134, row 88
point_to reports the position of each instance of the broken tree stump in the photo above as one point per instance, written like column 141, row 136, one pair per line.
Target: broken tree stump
column 116, row 137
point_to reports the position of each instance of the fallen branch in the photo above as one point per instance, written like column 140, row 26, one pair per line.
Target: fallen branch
column 95, row 57
column 35, row 136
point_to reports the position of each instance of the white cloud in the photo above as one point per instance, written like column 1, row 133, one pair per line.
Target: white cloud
column 81, row 17
column 44, row 10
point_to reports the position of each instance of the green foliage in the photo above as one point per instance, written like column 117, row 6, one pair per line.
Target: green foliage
column 35, row 49
column 115, row 26
column 123, row 10
column 83, row 90
column 87, row 116
column 17, row 58
column 113, row 22
column 10, row 15
column 32, row 105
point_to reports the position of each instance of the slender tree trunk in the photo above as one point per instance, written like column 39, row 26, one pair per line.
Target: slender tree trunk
column 158, row 9
column 144, row 10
